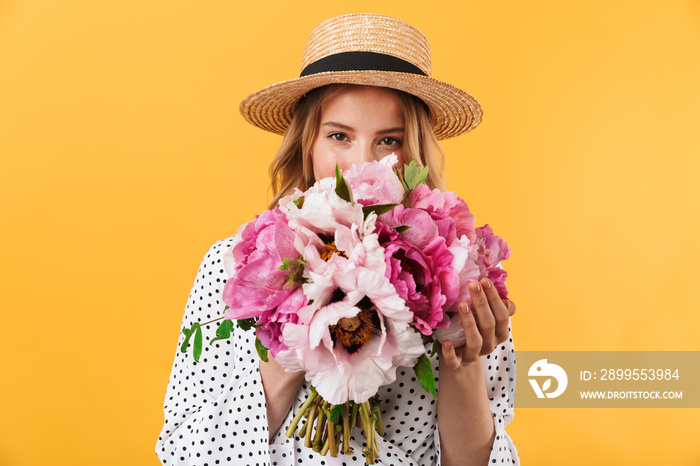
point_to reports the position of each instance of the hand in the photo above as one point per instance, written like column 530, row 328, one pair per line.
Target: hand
column 485, row 325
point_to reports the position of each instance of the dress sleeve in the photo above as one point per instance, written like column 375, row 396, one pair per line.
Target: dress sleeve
column 499, row 371
column 214, row 409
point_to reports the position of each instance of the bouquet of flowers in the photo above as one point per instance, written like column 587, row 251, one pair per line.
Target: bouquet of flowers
column 351, row 279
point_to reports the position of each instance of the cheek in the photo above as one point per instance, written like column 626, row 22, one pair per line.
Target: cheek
column 399, row 155
column 323, row 161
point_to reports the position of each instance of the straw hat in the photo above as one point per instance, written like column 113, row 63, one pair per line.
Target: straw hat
column 372, row 50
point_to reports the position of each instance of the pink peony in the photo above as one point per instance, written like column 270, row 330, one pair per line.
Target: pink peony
column 492, row 250
column 419, row 265
column 375, row 182
column 449, row 212
column 272, row 323
column 257, row 288
column 322, row 211
column 268, row 235
column 364, row 304
column 474, row 261
column 467, row 266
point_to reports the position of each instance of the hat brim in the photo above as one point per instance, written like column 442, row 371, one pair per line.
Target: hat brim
column 452, row 111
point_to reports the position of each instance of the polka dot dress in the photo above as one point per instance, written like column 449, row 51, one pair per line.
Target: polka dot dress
column 215, row 408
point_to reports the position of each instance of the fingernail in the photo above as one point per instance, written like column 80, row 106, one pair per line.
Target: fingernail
column 475, row 287
column 464, row 308
column 506, row 302
column 487, row 283
column 448, row 345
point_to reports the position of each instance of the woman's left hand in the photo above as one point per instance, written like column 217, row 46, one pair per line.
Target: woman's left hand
column 485, row 325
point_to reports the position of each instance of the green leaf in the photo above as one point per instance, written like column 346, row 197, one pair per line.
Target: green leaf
column 434, row 349
column 336, row 412
column 413, row 175
column 223, row 331
column 299, row 202
column 421, row 178
column 225, row 328
column 403, row 181
column 401, row 228
column 188, row 334
column 342, row 188
column 197, row 351
column 260, row 348
column 378, row 209
column 246, row 324
column 296, row 271
column 409, row 171
column 424, row 373
column 286, row 264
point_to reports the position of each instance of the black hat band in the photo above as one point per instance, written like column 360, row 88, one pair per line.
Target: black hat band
column 361, row 61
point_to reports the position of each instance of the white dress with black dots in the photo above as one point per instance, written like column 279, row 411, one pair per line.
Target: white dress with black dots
column 215, row 408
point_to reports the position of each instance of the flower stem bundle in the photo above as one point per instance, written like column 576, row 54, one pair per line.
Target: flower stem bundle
column 327, row 428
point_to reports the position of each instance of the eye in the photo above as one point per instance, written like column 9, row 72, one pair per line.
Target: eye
column 390, row 142
column 338, row 136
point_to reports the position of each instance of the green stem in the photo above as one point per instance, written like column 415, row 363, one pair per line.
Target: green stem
column 327, row 445
column 324, row 450
column 327, row 412
column 302, row 432
column 333, row 446
column 300, row 414
column 207, row 323
column 377, row 414
column 354, row 420
column 346, row 429
column 310, row 425
column 320, row 424
column 370, row 451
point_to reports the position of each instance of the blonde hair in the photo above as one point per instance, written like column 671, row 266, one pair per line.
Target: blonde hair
column 292, row 167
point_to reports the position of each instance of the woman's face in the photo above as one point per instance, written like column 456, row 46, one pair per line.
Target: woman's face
column 358, row 123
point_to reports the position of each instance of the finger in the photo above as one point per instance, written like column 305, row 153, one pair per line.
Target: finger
column 499, row 310
column 447, row 355
column 474, row 340
column 485, row 318
column 510, row 305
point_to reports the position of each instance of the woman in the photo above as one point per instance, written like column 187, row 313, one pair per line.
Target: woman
column 365, row 91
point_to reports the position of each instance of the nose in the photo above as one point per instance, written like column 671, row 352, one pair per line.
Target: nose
column 365, row 153
column 360, row 152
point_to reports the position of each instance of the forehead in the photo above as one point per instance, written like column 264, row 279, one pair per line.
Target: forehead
column 364, row 101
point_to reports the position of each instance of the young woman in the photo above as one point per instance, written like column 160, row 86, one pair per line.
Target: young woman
column 365, row 92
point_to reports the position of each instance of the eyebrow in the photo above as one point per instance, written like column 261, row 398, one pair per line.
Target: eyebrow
column 335, row 124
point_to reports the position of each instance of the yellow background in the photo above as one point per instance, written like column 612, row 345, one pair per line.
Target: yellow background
column 124, row 157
